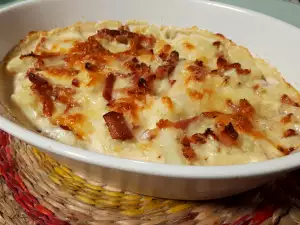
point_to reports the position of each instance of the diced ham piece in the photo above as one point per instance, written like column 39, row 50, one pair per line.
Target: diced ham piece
column 287, row 118
column 289, row 133
column 228, row 136
column 117, row 126
column 223, row 64
column 108, row 87
column 285, row 99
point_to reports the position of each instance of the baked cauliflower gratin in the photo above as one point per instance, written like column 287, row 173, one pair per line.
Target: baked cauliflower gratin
column 154, row 93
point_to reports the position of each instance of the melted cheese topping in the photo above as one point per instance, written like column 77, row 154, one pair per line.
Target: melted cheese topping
column 75, row 71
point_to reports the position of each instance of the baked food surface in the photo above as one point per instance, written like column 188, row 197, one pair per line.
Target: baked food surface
column 154, row 93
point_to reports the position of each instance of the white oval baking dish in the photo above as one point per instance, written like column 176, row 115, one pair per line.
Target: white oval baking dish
column 266, row 37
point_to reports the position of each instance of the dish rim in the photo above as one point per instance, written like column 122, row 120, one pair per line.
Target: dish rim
column 178, row 171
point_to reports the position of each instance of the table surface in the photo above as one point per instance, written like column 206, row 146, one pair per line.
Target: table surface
column 286, row 10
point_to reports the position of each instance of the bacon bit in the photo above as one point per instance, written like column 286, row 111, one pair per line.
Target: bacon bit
column 195, row 94
column 183, row 124
column 108, row 87
column 164, row 52
column 164, row 124
column 198, row 70
column 217, row 44
column 31, row 54
column 232, row 66
column 112, row 34
column 255, row 87
column 287, row 118
column 285, row 99
column 64, row 127
column 149, row 82
column 228, row 136
column 186, row 142
column 124, row 34
column 221, row 62
column 229, row 129
column 168, row 67
column 289, row 133
column 44, row 91
column 166, row 48
column 76, row 82
column 48, row 94
column 172, row 82
column 243, row 71
column 220, row 35
column 68, row 107
column 189, row 153
column 138, row 69
column 142, row 83
column 37, row 79
column 168, row 102
column 161, row 72
column 90, row 67
column 285, row 151
column 214, row 72
column 189, row 46
column 137, row 41
column 240, row 122
column 117, row 126
column 198, row 138
column 137, row 93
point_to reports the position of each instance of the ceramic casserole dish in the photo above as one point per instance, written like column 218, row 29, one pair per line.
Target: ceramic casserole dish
column 264, row 36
